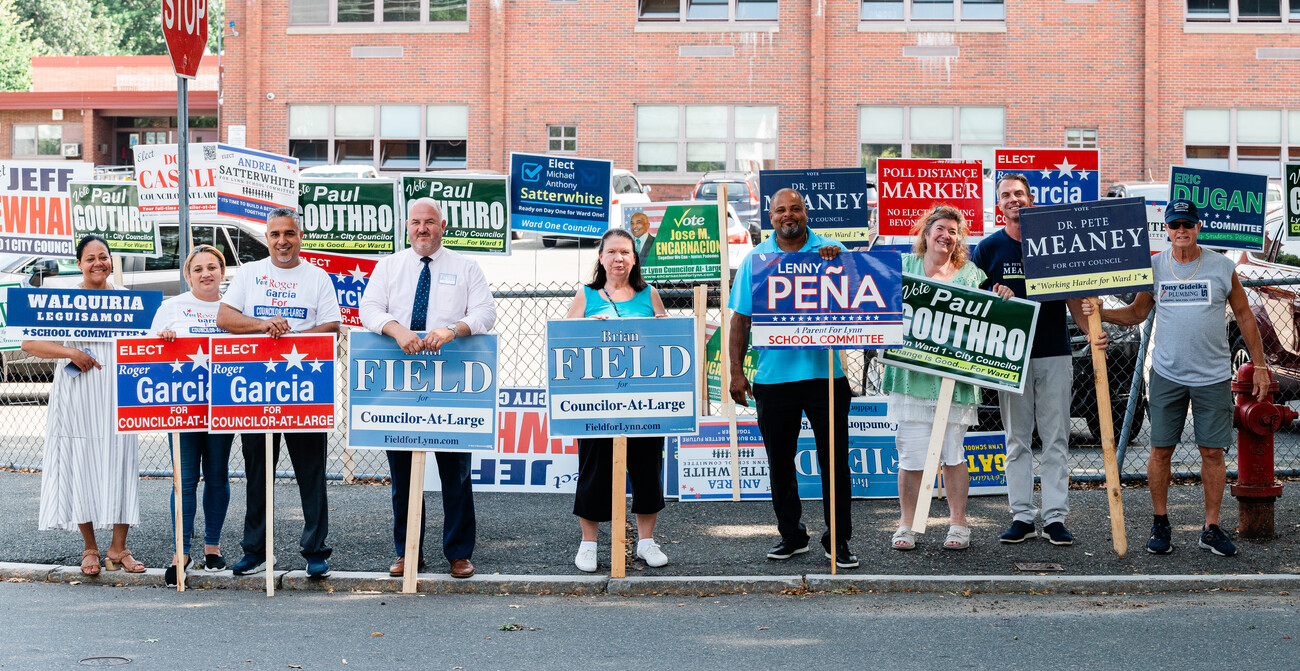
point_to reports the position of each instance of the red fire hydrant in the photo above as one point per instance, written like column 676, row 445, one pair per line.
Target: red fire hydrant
column 1256, row 421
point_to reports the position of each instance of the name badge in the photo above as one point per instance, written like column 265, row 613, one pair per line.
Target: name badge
column 447, row 278
column 1182, row 293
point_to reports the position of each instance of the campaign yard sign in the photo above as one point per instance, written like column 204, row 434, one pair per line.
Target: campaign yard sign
column 251, row 183
column 713, row 361
column 112, row 210
column 79, row 314
column 1291, row 198
column 7, row 343
column 280, row 385
column 475, row 208
column 911, row 187
column 966, row 334
column 350, row 216
column 35, row 217
column 559, row 195
column 686, row 245
column 836, row 201
column 162, row 386
column 1230, row 205
column 802, row 301
column 629, row 377
column 350, row 275
column 1086, row 249
column 158, row 178
column 444, row 401
column 704, row 462
column 1056, row 176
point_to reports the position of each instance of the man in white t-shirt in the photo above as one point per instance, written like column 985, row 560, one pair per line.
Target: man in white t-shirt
column 279, row 295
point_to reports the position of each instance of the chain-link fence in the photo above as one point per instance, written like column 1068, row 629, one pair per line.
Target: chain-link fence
column 522, row 313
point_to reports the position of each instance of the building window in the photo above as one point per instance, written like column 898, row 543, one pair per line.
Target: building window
column 389, row 137
column 970, row 133
column 933, row 10
column 1080, row 138
column 1244, row 11
column 38, row 140
column 561, row 138
column 1244, row 140
column 352, row 12
column 699, row 138
column 708, row 10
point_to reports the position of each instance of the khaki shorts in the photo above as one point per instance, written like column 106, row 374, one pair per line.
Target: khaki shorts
column 1167, row 403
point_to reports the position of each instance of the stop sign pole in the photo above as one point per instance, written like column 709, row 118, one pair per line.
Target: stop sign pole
column 185, row 27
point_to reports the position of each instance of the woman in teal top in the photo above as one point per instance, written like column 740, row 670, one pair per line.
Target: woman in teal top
column 939, row 252
column 617, row 290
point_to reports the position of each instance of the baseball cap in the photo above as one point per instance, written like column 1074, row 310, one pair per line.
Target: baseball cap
column 1179, row 210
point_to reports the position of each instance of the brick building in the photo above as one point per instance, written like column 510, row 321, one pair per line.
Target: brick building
column 670, row 88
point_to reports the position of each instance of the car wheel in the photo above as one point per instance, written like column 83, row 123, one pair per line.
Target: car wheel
column 548, row 242
column 1240, row 355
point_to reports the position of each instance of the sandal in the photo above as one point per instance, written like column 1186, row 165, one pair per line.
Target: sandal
column 958, row 538
column 90, row 562
column 123, row 562
column 904, row 538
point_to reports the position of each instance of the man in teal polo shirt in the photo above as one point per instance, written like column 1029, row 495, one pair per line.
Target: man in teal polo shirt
column 790, row 383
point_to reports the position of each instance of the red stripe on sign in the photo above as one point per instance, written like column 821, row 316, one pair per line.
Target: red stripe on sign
column 309, row 417
column 163, row 418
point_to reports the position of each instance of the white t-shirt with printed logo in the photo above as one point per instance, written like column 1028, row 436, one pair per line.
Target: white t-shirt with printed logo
column 303, row 294
column 186, row 314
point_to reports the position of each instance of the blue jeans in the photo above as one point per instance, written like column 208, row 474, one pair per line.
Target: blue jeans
column 210, row 454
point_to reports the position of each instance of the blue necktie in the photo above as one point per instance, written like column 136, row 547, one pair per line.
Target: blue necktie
column 420, row 311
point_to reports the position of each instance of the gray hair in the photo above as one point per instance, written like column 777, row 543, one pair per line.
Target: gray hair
column 424, row 201
column 284, row 213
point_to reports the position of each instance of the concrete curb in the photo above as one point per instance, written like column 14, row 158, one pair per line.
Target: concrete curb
column 703, row 585
column 1053, row 584
column 33, row 572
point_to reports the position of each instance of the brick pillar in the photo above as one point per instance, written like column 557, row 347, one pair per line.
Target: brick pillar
column 498, row 159
column 1151, row 90
column 88, row 138
column 817, row 37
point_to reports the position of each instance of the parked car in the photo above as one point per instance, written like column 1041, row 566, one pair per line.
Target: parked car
column 1157, row 195
column 624, row 189
column 339, row 172
column 742, row 195
column 1276, row 306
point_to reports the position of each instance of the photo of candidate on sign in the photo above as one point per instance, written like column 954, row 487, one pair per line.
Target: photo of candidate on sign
column 444, row 401
column 1230, row 204
column 802, row 301
column 162, row 385
column 80, row 314
column 1086, row 249
column 283, row 384
column 621, row 377
column 966, row 334
column 685, row 245
column 350, row 216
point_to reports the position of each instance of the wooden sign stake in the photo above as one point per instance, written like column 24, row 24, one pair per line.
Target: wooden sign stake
column 922, row 515
column 181, row 550
column 270, row 514
column 830, row 453
column 724, row 381
column 414, row 523
column 1118, row 535
column 618, row 509
column 117, row 274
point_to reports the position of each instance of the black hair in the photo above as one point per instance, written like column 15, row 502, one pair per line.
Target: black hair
column 91, row 237
column 634, row 278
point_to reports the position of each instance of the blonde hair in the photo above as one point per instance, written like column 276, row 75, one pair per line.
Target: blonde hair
column 202, row 249
column 922, row 227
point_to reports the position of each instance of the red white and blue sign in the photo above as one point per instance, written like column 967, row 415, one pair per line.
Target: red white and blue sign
column 350, row 274
column 79, row 314
column 559, row 195
column 264, row 384
column 444, row 401
column 162, row 386
column 251, row 183
column 802, row 301
column 1056, row 176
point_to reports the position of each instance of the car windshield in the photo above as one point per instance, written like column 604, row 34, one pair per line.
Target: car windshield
column 735, row 190
column 1154, row 192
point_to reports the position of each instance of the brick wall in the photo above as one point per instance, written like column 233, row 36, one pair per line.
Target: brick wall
column 73, row 130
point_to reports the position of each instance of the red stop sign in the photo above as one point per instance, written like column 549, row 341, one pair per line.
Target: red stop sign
column 185, row 26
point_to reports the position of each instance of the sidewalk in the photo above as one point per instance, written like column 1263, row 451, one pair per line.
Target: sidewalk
column 526, row 543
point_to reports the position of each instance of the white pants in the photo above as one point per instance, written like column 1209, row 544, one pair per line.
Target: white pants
column 1047, row 401
column 913, row 440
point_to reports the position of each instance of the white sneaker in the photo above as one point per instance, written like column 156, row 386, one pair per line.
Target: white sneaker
column 586, row 559
column 650, row 552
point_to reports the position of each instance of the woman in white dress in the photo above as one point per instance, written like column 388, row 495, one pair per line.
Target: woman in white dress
column 89, row 472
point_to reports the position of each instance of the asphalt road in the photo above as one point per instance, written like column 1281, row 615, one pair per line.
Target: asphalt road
column 56, row 626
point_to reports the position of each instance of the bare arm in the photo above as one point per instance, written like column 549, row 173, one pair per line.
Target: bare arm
column 578, row 307
column 52, row 350
column 657, row 303
column 1250, row 333
column 738, row 345
column 1130, row 315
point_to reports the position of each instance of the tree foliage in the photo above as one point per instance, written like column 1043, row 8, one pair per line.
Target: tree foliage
column 16, row 49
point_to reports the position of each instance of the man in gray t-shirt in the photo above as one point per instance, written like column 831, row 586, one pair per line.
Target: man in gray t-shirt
column 1190, row 362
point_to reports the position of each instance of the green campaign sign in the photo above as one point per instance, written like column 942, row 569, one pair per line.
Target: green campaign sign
column 966, row 334
column 474, row 207
column 1291, row 198
column 350, row 216
column 713, row 361
column 112, row 210
column 686, row 246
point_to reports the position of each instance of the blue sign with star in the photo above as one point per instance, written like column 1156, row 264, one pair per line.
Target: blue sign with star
column 802, row 301
column 1056, row 176
column 79, row 314
column 559, row 195
column 1229, row 204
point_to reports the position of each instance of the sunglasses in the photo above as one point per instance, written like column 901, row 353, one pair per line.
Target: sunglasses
column 1181, row 223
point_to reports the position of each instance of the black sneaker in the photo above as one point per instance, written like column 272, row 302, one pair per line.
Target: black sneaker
column 214, row 563
column 1159, row 544
column 249, row 565
column 787, row 549
column 170, row 575
column 1216, row 540
column 1019, row 532
column 844, row 557
column 1057, row 534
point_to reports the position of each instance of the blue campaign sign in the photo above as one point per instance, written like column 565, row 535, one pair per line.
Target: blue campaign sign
column 836, row 200
column 437, row 402
column 802, row 301
column 1086, row 249
column 621, row 377
column 79, row 314
column 559, row 195
column 1229, row 204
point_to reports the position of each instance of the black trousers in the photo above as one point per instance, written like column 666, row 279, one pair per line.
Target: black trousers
column 459, row 526
column 780, row 407
column 307, row 453
column 593, row 499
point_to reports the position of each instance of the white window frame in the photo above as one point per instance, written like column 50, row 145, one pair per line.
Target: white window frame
column 684, row 5
column 13, row 137
column 907, row 16
column 1088, row 138
column 1234, row 16
column 377, row 138
column 1288, row 147
column 378, row 22
column 730, row 140
column 906, row 142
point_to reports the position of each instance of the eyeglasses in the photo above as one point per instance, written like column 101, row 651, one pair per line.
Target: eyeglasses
column 1181, row 223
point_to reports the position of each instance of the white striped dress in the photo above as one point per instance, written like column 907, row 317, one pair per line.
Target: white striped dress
column 89, row 472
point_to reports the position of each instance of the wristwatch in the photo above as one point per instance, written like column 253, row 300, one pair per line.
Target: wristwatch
column 454, row 333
